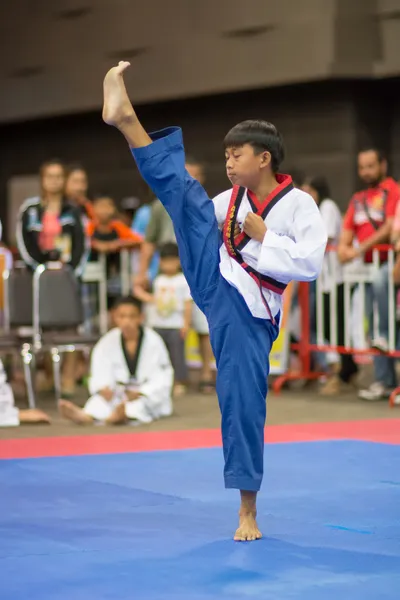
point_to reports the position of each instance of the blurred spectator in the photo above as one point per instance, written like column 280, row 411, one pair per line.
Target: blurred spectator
column 49, row 227
column 298, row 177
column 131, row 375
column 159, row 231
column 128, row 207
column 395, row 239
column 107, row 233
column 331, row 277
column 10, row 415
column 77, row 190
column 369, row 220
column 139, row 225
column 171, row 312
column 109, row 236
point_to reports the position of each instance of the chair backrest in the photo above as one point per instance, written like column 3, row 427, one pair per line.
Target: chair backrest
column 18, row 298
column 57, row 298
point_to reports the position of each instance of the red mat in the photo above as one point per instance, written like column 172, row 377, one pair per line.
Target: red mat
column 386, row 431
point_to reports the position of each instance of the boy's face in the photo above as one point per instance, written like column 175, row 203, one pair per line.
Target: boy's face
column 170, row 265
column 104, row 210
column 128, row 319
column 244, row 167
column 77, row 184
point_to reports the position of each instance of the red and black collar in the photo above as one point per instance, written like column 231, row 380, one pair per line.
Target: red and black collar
column 263, row 208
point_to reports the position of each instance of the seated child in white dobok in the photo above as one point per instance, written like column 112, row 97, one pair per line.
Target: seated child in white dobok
column 131, row 375
column 10, row 415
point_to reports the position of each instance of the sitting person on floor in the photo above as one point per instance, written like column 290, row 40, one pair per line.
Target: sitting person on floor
column 131, row 375
column 10, row 415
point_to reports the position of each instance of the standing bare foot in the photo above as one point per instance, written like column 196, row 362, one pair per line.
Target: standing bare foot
column 117, row 108
column 118, row 415
column 73, row 413
column 248, row 529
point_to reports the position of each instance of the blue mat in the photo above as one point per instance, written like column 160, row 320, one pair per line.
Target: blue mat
column 158, row 526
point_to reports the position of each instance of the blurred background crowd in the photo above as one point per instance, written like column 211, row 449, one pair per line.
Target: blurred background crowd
column 327, row 76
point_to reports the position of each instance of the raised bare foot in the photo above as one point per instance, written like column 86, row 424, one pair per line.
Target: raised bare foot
column 117, row 108
column 248, row 529
column 118, row 415
column 73, row 413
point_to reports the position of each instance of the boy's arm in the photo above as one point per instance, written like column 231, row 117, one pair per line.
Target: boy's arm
column 187, row 317
column 300, row 258
column 142, row 294
column 126, row 237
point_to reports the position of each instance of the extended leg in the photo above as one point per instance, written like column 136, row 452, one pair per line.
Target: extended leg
column 161, row 161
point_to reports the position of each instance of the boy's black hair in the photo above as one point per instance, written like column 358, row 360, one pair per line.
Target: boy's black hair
column 262, row 136
column 321, row 186
column 378, row 151
column 131, row 300
column 169, row 250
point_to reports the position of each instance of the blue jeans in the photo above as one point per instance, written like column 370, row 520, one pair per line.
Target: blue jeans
column 384, row 366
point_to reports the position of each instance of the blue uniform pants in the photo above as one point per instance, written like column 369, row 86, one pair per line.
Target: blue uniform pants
column 241, row 343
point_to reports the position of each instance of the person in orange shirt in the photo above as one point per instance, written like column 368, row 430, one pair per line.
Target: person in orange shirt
column 109, row 236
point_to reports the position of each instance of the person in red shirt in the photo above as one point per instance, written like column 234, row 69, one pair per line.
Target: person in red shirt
column 368, row 221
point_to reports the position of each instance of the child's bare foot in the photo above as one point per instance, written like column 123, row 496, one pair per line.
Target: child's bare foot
column 33, row 415
column 73, row 413
column 248, row 529
column 117, row 108
column 118, row 415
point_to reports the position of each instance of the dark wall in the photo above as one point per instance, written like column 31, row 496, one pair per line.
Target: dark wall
column 323, row 125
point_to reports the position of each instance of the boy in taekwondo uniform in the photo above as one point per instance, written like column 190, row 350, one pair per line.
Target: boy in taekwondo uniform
column 272, row 234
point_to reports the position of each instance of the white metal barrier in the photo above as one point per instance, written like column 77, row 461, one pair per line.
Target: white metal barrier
column 357, row 276
column 96, row 273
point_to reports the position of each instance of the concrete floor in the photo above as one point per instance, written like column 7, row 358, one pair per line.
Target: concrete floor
column 196, row 411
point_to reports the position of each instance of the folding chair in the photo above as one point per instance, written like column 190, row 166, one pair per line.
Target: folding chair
column 17, row 334
column 58, row 315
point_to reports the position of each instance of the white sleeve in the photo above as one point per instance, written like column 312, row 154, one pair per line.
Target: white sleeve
column 158, row 387
column 330, row 215
column 101, row 374
column 221, row 205
column 300, row 256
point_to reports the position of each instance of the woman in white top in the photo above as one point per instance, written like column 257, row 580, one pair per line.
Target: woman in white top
column 331, row 277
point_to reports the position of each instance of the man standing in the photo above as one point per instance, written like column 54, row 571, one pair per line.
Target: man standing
column 160, row 231
column 368, row 220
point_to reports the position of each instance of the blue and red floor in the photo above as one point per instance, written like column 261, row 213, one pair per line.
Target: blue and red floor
column 145, row 516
